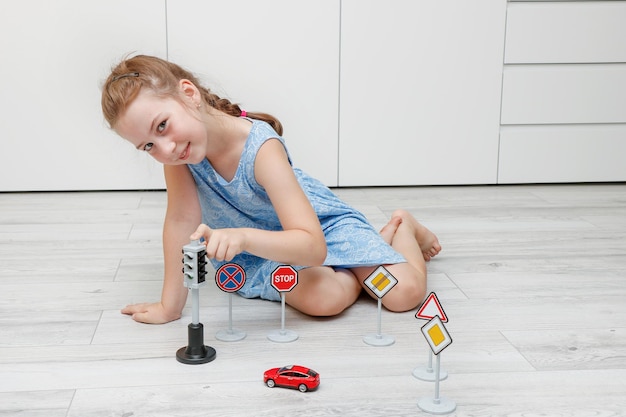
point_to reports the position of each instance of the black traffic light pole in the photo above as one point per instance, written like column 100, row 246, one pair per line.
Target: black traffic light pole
column 194, row 272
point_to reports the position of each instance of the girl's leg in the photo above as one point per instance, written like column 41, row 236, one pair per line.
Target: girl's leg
column 324, row 291
column 417, row 244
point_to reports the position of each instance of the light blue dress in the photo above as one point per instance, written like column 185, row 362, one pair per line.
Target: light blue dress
column 242, row 202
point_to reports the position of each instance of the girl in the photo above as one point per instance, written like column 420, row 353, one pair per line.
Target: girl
column 230, row 171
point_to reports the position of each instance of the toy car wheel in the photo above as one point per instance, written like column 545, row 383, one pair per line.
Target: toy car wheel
column 302, row 388
column 270, row 383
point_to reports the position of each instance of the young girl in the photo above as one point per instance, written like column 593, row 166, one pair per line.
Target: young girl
column 229, row 172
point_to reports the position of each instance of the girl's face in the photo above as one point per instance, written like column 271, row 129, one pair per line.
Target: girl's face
column 165, row 128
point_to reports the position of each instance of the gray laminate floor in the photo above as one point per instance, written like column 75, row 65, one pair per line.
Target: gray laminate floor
column 532, row 278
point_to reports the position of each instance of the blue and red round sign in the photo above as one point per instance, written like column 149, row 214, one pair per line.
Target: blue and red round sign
column 230, row 277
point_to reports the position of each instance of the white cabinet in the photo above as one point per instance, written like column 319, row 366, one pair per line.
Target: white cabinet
column 275, row 56
column 55, row 54
column 566, row 32
column 563, row 94
column 420, row 91
column 370, row 92
column 562, row 153
column 558, row 94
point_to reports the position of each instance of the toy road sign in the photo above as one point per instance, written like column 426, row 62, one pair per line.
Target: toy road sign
column 431, row 308
column 380, row 281
column 230, row 277
column 284, row 278
column 436, row 335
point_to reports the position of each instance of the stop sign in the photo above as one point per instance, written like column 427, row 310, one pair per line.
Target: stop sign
column 284, row 278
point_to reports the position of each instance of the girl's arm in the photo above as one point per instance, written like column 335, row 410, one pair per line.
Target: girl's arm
column 182, row 217
column 301, row 242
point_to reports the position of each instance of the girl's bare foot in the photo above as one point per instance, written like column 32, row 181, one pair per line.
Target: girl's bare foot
column 427, row 240
column 390, row 229
column 429, row 244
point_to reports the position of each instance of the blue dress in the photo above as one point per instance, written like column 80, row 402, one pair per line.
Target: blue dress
column 242, row 202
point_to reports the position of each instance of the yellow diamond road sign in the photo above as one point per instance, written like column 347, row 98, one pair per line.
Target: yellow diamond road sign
column 436, row 335
column 380, row 281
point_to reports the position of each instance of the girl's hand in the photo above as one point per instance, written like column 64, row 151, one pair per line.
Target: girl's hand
column 151, row 313
column 221, row 244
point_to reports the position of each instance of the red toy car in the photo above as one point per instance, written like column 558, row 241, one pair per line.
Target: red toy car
column 292, row 376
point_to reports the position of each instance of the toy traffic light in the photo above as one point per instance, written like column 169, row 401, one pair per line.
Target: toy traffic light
column 194, row 264
column 194, row 273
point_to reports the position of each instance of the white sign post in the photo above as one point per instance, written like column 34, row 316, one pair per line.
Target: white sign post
column 284, row 279
column 438, row 339
column 380, row 282
column 230, row 278
column 430, row 308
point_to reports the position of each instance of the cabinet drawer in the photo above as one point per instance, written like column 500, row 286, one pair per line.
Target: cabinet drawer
column 544, row 154
column 566, row 32
column 544, row 94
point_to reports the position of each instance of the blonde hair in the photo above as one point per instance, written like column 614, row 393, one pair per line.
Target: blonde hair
column 162, row 77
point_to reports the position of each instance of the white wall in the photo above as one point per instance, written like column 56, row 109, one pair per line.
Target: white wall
column 371, row 92
column 54, row 56
column 274, row 56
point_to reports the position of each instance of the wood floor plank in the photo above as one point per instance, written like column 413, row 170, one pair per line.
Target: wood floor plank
column 530, row 276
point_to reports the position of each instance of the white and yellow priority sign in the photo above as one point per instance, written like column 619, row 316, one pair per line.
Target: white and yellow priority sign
column 380, row 281
column 436, row 335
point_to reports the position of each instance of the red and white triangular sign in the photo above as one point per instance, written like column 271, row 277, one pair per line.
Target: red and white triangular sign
column 431, row 308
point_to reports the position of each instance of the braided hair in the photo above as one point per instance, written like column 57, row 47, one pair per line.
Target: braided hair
column 162, row 77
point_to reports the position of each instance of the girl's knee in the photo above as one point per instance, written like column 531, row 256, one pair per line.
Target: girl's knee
column 327, row 307
column 403, row 214
column 319, row 305
column 324, row 293
column 405, row 296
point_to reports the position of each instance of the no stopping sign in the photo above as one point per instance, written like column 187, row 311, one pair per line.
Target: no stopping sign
column 230, row 277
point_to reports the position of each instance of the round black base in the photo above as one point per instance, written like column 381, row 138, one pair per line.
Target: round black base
column 205, row 354
column 196, row 352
